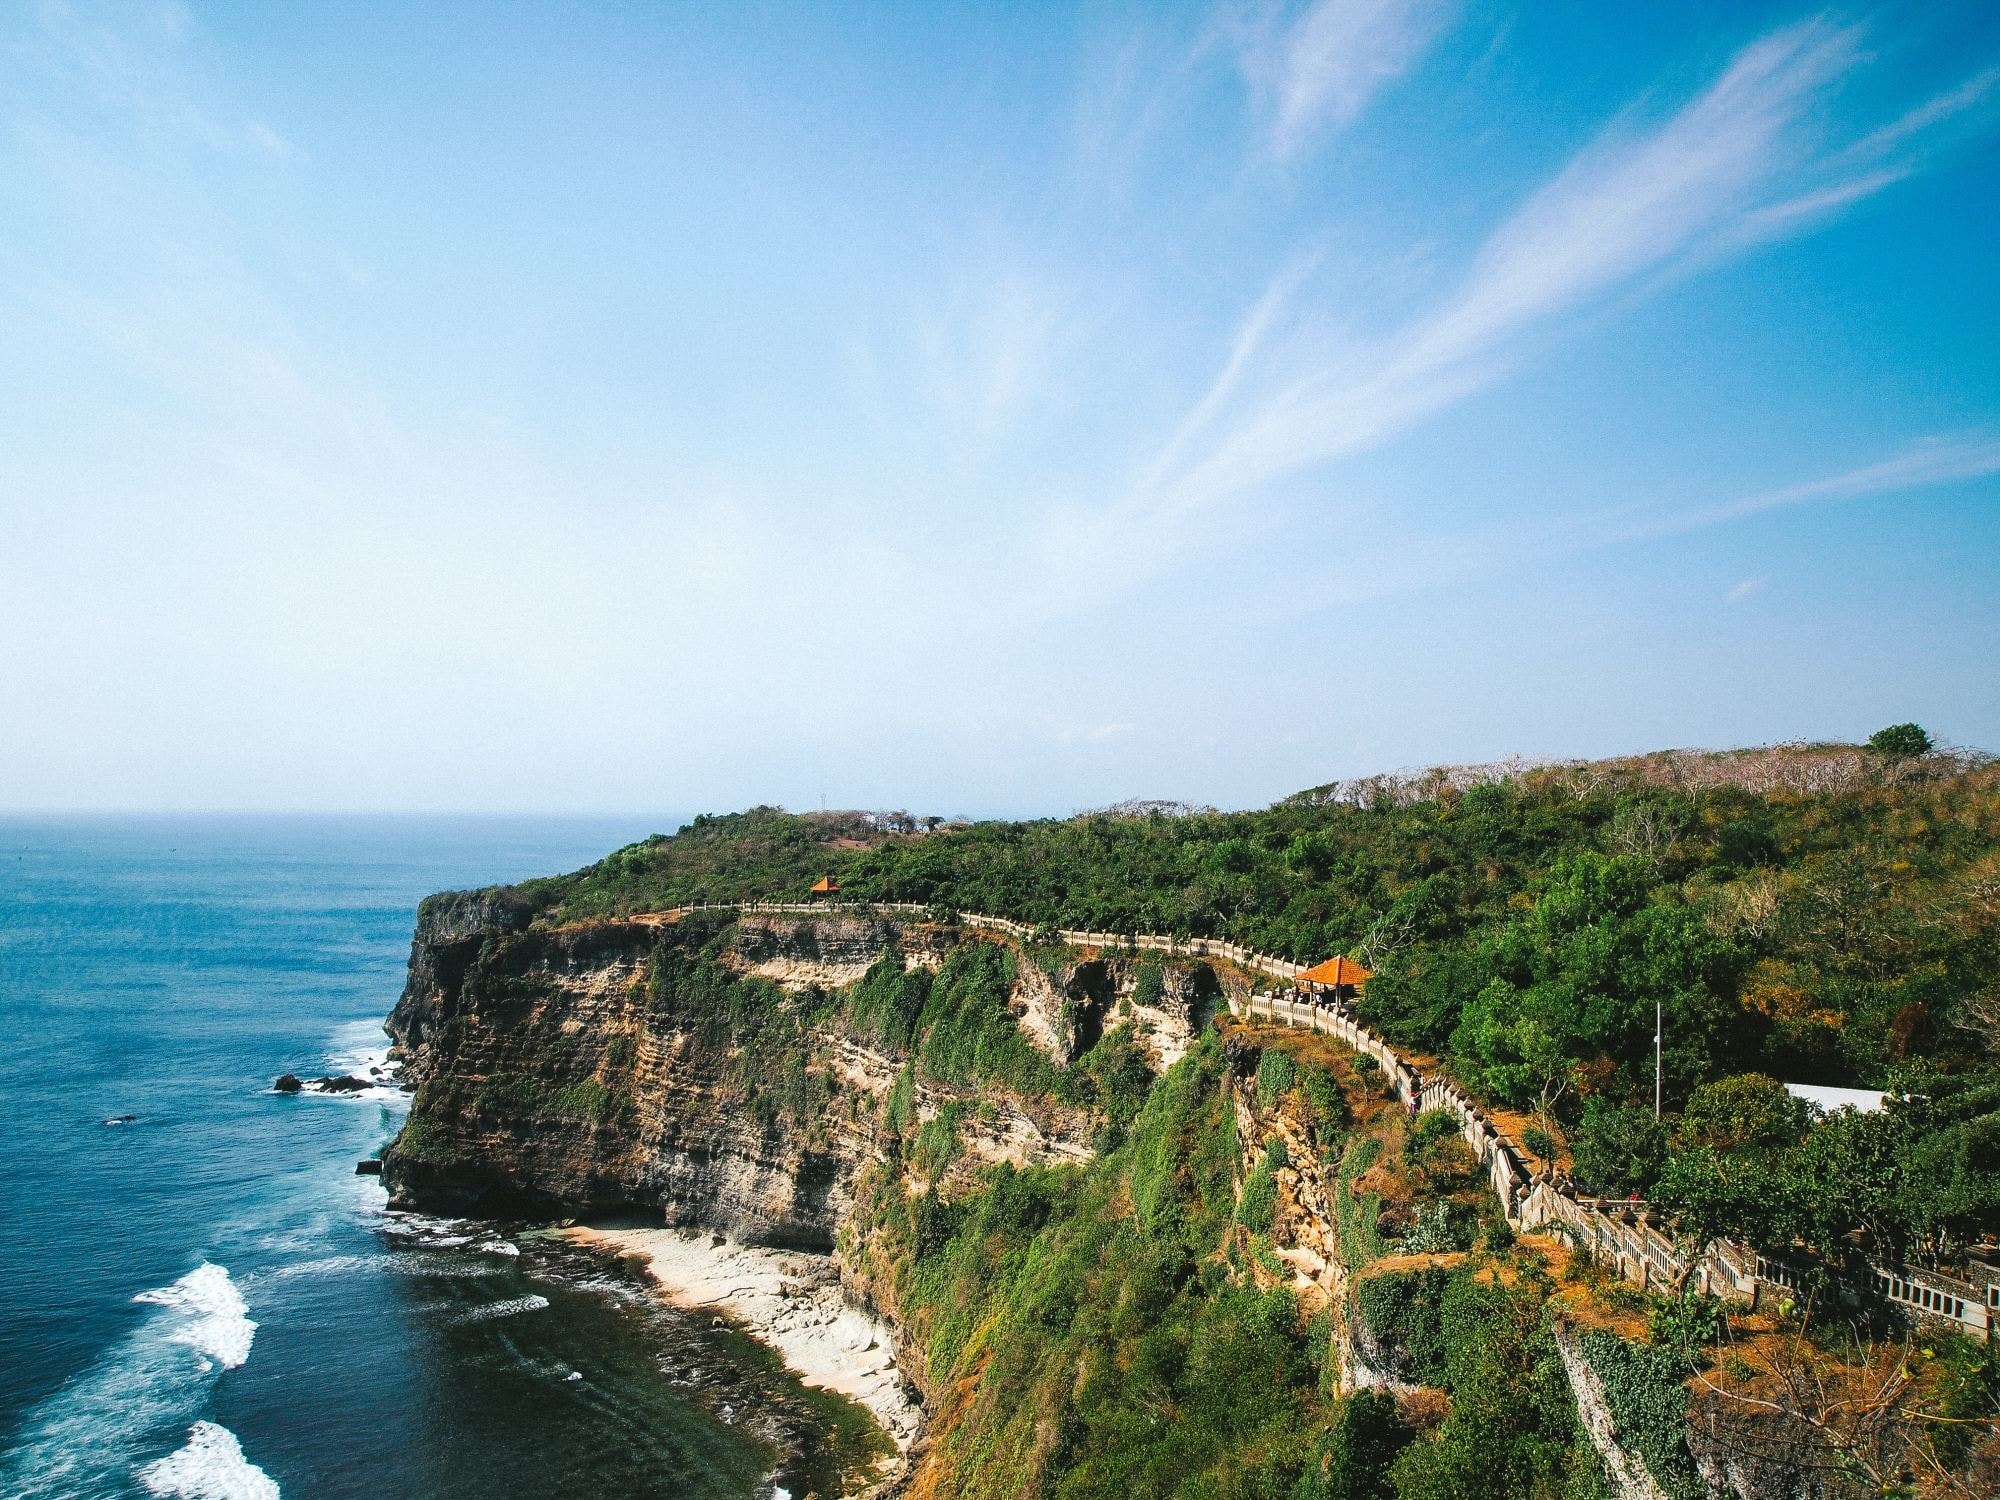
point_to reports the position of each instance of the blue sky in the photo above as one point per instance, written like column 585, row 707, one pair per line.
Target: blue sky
column 644, row 407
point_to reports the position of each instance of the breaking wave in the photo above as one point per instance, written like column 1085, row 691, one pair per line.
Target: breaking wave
column 84, row 1439
column 217, row 1320
column 210, row 1467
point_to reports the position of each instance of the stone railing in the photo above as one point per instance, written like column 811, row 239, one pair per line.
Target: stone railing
column 1626, row 1237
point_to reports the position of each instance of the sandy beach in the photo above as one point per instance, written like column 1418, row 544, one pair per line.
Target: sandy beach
column 788, row 1300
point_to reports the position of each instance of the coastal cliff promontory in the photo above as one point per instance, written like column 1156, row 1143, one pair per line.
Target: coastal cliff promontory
column 1123, row 1240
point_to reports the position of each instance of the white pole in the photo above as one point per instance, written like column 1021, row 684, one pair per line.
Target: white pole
column 1659, row 1026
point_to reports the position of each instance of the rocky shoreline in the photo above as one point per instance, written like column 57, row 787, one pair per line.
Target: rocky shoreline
column 788, row 1300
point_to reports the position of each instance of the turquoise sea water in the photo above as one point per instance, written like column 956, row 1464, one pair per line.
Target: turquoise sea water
column 205, row 1301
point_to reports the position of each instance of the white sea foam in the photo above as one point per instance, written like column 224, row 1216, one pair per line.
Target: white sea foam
column 359, row 1050
column 210, row 1467
column 84, row 1438
column 216, row 1322
column 359, row 1046
column 325, row 1265
column 533, row 1302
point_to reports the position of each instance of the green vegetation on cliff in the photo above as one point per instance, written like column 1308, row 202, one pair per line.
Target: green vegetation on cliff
column 1100, row 1331
column 1133, row 1325
column 1136, row 1324
column 1819, row 914
column 1831, row 932
column 1102, row 1347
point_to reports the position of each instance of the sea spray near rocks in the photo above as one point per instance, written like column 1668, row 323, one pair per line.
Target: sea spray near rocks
column 176, row 987
column 533, row 1302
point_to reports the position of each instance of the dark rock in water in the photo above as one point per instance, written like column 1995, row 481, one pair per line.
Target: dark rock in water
column 346, row 1085
column 288, row 1083
column 371, row 1167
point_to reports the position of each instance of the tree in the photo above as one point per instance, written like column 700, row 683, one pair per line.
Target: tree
column 1900, row 741
column 1711, row 1197
column 1746, row 1112
column 1980, row 1015
column 1619, row 1148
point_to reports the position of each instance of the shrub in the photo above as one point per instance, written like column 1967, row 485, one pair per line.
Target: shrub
column 1965, row 1382
column 1354, row 1214
column 1618, row 1148
column 426, row 1141
column 1352, row 1458
column 1330, row 1113
column 1687, row 1325
column 590, row 1100
column 509, row 1096
column 889, row 999
column 937, row 1140
column 1404, row 1311
column 1276, row 1072
column 1436, row 1227
column 1149, row 985
column 1259, row 1200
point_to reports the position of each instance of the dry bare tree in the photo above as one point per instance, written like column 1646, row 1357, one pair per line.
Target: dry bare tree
column 1980, row 1015
column 1797, row 1419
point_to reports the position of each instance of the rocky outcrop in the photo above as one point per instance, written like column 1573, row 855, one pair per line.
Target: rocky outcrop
column 547, row 1086
column 831, row 951
column 550, row 1085
column 451, row 928
column 1068, row 1007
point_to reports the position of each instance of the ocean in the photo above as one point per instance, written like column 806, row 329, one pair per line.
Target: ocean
column 199, row 1297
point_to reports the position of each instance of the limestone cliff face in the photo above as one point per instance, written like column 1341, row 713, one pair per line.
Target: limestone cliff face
column 553, row 1082
column 1067, row 1009
column 549, row 1083
column 1303, row 1235
column 830, row 951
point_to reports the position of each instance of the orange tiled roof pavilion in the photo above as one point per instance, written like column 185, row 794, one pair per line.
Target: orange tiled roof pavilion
column 1336, row 972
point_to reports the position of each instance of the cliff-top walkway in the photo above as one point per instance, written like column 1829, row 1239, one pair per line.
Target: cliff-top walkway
column 1626, row 1236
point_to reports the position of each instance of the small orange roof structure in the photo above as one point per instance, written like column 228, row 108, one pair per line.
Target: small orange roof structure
column 1336, row 972
column 824, row 886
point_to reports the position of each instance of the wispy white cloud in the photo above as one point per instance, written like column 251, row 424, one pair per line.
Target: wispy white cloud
column 1320, row 68
column 1249, row 342
column 1880, row 159
column 133, row 59
column 1934, row 461
column 1735, row 164
column 989, row 350
column 1631, row 202
column 1925, row 117
column 1428, row 561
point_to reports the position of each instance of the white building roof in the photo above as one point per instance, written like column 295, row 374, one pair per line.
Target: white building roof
column 1828, row 1099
